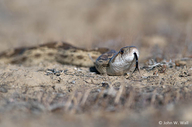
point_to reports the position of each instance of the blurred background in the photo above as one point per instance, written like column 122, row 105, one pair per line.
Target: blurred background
column 160, row 27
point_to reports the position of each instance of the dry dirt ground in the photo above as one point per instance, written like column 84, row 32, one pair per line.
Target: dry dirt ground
column 52, row 94
column 63, row 95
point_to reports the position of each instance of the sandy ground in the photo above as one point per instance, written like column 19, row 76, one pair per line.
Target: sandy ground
column 52, row 94
column 64, row 95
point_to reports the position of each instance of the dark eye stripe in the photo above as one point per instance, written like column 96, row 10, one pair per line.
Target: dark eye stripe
column 122, row 51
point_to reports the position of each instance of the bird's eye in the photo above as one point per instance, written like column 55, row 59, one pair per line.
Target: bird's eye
column 122, row 51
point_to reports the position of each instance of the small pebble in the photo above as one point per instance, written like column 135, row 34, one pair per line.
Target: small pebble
column 73, row 82
column 3, row 90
